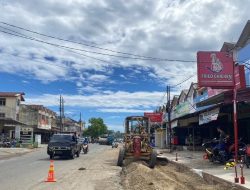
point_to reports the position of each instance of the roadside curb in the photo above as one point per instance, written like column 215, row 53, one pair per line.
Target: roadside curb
column 211, row 179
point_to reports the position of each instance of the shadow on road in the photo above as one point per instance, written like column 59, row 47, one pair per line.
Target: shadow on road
column 111, row 162
column 56, row 158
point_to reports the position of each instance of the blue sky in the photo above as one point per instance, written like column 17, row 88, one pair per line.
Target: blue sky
column 99, row 81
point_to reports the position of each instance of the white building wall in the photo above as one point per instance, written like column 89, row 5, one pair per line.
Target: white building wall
column 160, row 138
column 11, row 109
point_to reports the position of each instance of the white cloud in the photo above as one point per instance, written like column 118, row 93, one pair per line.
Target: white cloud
column 88, row 88
column 122, row 110
column 78, row 84
column 120, row 100
column 98, row 78
column 25, row 82
column 165, row 29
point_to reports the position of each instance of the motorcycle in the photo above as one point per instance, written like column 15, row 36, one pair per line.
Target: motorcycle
column 5, row 143
column 223, row 152
column 247, row 156
column 114, row 145
column 85, row 148
column 216, row 152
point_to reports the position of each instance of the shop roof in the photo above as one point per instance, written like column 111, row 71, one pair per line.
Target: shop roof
column 12, row 94
column 196, row 113
column 244, row 37
column 226, row 97
column 10, row 121
column 227, row 47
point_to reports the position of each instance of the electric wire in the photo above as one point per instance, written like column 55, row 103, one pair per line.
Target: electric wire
column 36, row 60
column 165, row 92
column 56, row 45
column 70, row 48
column 135, row 56
column 185, row 80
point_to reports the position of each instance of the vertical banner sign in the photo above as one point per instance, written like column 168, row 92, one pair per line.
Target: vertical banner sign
column 240, row 79
column 215, row 69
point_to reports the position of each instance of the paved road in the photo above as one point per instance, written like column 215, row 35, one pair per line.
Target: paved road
column 30, row 170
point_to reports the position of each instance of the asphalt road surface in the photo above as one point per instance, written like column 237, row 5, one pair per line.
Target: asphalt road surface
column 95, row 170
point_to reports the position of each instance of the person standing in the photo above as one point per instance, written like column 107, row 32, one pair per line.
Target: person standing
column 222, row 135
column 221, row 144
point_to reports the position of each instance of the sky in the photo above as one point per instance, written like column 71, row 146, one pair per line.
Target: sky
column 109, row 58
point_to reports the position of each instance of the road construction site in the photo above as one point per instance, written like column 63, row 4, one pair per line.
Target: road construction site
column 97, row 170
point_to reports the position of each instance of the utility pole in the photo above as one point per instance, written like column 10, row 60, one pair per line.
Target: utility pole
column 169, row 118
column 60, row 110
column 80, row 121
column 62, row 113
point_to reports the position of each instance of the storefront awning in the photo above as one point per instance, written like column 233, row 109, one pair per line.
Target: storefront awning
column 10, row 122
column 193, row 117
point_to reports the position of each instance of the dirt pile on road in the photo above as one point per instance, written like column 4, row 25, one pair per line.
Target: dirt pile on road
column 137, row 176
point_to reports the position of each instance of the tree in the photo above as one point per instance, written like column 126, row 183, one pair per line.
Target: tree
column 96, row 127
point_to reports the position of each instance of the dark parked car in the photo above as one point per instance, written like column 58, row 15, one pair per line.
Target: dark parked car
column 63, row 145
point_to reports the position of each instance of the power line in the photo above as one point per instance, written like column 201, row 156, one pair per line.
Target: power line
column 56, row 45
column 135, row 56
column 17, row 34
column 47, row 63
column 184, row 80
column 35, row 60
column 172, row 87
column 161, row 100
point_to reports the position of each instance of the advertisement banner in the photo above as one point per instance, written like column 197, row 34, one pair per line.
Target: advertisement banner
column 215, row 69
column 174, row 124
column 181, row 110
column 43, row 123
column 154, row 117
column 240, row 79
column 208, row 116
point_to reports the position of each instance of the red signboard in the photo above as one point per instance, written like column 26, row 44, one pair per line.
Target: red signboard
column 240, row 79
column 215, row 69
column 154, row 117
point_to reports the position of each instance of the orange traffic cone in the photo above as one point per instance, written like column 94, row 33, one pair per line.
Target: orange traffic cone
column 51, row 174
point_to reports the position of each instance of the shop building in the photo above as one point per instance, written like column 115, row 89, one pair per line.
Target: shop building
column 10, row 124
column 40, row 119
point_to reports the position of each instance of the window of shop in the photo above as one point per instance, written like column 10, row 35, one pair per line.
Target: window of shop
column 2, row 115
column 2, row 101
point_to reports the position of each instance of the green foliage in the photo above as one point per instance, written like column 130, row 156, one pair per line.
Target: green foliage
column 96, row 128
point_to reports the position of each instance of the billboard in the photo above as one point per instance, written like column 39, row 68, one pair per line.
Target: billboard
column 154, row 117
column 215, row 69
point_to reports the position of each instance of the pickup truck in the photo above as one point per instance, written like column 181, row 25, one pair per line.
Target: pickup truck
column 63, row 145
